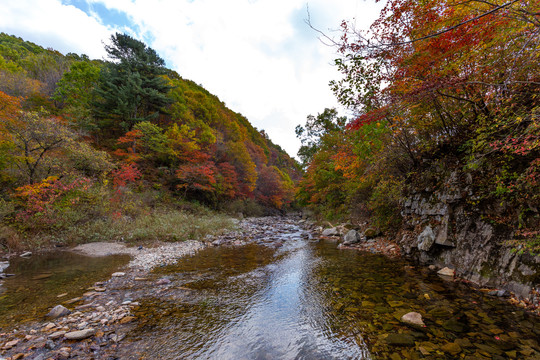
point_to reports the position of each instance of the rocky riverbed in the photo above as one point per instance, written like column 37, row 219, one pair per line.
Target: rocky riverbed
column 96, row 324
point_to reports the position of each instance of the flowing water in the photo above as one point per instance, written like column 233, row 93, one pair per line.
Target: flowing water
column 45, row 280
column 309, row 300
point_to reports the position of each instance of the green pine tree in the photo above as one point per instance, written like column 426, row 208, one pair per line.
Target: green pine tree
column 131, row 88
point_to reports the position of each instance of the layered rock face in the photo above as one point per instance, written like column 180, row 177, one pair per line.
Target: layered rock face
column 442, row 228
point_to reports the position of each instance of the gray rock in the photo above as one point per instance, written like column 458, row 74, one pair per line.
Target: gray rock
column 426, row 239
column 352, row 237
column 58, row 311
column 413, row 318
column 330, row 232
column 80, row 335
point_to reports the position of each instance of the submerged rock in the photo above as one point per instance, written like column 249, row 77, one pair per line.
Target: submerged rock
column 400, row 340
column 413, row 318
column 451, row 348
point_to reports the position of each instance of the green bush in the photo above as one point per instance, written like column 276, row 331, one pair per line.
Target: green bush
column 385, row 204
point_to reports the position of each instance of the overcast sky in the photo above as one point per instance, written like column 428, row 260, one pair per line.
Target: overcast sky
column 257, row 56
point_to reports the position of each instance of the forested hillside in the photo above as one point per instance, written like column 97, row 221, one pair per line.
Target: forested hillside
column 84, row 139
column 439, row 89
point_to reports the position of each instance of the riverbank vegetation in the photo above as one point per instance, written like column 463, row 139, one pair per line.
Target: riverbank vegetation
column 437, row 88
column 124, row 149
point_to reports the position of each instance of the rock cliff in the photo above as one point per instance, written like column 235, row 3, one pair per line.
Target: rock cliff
column 442, row 228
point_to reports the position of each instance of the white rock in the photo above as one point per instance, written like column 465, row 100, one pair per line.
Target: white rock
column 413, row 318
column 446, row 272
column 118, row 274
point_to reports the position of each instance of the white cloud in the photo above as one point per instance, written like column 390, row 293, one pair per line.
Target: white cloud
column 51, row 24
column 258, row 56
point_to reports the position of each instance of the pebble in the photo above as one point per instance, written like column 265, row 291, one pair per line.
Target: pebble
column 163, row 281
column 80, row 335
column 57, row 334
column 10, row 344
column 118, row 274
column 49, row 326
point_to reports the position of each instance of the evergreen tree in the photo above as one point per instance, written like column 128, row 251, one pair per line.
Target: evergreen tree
column 131, row 88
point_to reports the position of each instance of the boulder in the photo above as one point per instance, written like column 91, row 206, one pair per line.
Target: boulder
column 413, row 318
column 330, row 232
column 80, row 335
column 352, row 237
column 58, row 311
column 426, row 239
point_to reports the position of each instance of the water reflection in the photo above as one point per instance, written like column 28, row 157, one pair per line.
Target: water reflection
column 45, row 280
column 286, row 319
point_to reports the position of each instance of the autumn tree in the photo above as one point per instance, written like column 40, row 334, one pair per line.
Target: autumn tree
column 441, row 80
column 316, row 128
column 35, row 137
column 41, row 145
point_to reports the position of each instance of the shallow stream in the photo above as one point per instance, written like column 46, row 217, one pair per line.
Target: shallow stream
column 309, row 300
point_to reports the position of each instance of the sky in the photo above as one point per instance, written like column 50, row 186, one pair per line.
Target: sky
column 258, row 56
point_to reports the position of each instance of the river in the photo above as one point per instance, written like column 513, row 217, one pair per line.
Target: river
column 293, row 297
